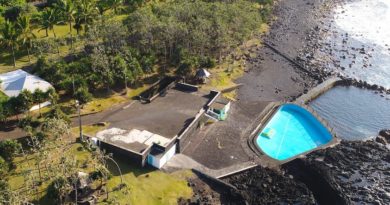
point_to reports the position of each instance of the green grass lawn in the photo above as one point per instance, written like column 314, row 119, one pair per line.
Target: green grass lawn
column 148, row 186
column 90, row 130
column 3, row 97
column 144, row 186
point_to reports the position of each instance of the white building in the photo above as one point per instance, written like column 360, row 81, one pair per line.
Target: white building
column 14, row 82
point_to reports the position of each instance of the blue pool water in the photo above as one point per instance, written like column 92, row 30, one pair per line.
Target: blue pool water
column 292, row 131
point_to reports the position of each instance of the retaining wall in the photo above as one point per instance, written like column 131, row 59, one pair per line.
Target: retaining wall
column 187, row 87
column 184, row 135
column 137, row 158
column 318, row 90
column 157, row 89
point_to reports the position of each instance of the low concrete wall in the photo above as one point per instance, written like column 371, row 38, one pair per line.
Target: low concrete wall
column 226, row 90
column 213, row 96
column 184, row 135
column 187, row 87
column 138, row 159
column 318, row 90
column 157, row 89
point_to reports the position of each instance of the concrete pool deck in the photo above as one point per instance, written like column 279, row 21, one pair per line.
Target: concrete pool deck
column 226, row 147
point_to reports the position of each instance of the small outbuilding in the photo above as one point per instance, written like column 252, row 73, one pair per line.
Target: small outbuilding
column 219, row 108
column 202, row 75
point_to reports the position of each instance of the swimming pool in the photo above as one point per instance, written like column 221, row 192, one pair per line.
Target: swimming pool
column 291, row 131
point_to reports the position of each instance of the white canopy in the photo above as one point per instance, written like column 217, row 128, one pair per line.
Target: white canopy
column 12, row 83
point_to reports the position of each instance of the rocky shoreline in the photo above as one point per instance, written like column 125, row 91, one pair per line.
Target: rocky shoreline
column 349, row 173
column 267, row 186
column 352, row 172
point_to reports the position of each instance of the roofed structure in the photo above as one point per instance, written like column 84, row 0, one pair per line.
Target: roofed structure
column 14, row 82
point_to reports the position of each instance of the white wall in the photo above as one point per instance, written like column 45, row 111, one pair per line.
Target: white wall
column 36, row 107
column 159, row 162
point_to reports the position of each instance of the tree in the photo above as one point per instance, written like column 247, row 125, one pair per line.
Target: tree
column 68, row 11
column 9, row 37
column 121, row 67
column 14, row 106
column 5, row 192
column 8, row 149
column 26, row 100
column 203, row 28
column 82, row 95
column 26, row 33
column 102, row 66
column 57, row 113
column 115, row 4
column 52, row 96
column 58, row 189
column 39, row 97
column 86, row 11
column 3, row 167
column 102, row 6
column 47, row 20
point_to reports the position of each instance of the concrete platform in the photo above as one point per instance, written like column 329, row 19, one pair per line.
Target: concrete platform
column 166, row 115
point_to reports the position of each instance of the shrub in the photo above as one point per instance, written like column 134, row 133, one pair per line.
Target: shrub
column 82, row 95
column 3, row 166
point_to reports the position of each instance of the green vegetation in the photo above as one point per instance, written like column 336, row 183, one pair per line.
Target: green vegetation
column 162, row 36
column 146, row 186
column 89, row 129
column 143, row 186
column 3, row 97
column 104, row 52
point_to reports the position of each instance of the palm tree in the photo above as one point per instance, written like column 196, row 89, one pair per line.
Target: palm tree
column 26, row 34
column 68, row 11
column 102, row 6
column 115, row 4
column 86, row 10
column 9, row 37
column 48, row 19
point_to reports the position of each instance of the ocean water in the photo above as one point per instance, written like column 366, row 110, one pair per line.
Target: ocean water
column 354, row 113
column 357, row 44
column 358, row 41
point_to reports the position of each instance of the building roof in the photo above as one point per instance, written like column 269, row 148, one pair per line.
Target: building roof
column 134, row 140
column 219, row 103
column 12, row 83
column 202, row 73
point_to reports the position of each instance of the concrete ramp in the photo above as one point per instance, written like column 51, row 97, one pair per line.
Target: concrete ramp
column 181, row 161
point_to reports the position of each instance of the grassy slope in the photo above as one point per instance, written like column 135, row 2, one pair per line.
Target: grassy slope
column 144, row 186
column 148, row 186
column 3, row 97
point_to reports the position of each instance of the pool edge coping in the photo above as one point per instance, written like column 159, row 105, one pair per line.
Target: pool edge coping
column 264, row 121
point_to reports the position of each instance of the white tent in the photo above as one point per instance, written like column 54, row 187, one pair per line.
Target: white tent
column 12, row 83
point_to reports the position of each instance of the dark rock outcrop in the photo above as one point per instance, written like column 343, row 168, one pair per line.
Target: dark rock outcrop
column 350, row 173
column 386, row 135
column 265, row 186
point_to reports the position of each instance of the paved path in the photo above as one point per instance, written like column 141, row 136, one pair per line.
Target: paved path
column 181, row 161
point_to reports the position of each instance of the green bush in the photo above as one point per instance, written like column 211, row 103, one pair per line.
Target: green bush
column 82, row 95
column 9, row 148
column 4, row 167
